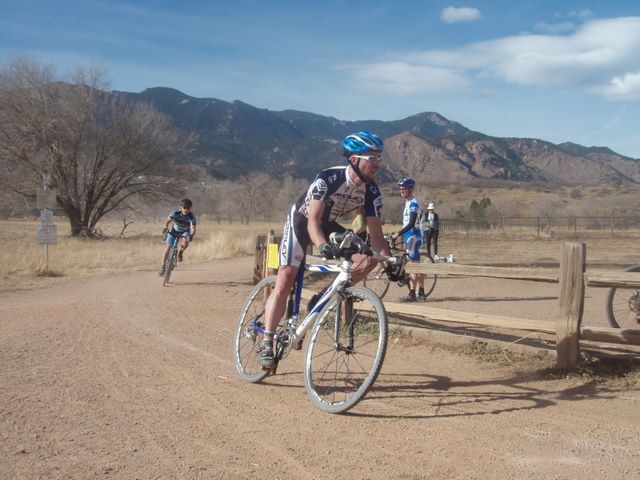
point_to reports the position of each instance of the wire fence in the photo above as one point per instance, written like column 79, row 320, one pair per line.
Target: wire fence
column 544, row 226
column 534, row 227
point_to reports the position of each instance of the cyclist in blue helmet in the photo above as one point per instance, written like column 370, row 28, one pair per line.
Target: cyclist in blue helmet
column 411, row 237
column 183, row 227
column 335, row 193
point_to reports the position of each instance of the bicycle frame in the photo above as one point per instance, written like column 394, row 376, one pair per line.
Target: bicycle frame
column 339, row 283
column 342, row 281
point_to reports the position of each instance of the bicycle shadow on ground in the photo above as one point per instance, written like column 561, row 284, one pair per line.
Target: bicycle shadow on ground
column 427, row 396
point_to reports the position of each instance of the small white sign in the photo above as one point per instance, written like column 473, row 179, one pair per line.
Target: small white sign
column 46, row 216
column 47, row 234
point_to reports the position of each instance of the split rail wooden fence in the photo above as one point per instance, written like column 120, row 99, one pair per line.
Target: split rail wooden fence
column 571, row 276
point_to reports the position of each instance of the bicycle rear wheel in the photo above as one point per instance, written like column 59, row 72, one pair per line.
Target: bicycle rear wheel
column 623, row 305
column 429, row 280
column 247, row 338
column 378, row 281
column 346, row 349
column 168, row 268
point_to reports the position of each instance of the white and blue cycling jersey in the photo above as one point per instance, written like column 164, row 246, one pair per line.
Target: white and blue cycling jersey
column 182, row 222
column 341, row 197
column 410, row 206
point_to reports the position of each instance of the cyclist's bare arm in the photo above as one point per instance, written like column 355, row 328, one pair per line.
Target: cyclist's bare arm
column 377, row 238
column 314, row 224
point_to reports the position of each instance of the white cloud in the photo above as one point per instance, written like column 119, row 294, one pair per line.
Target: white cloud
column 585, row 13
column 555, row 28
column 600, row 57
column 625, row 88
column 460, row 14
column 402, row 78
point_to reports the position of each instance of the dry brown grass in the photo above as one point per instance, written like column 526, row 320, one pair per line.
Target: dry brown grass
column 141, row 247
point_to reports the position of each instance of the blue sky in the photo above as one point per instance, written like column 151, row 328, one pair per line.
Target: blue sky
column 559, row 71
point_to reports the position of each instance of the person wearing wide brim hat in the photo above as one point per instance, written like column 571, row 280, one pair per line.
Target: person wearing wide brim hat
column 432, row 228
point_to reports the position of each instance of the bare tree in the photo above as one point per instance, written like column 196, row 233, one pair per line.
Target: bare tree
column 249, row 195
column 98, row 149
column 549, row 208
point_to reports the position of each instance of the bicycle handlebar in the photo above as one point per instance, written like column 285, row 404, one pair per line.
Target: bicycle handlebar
column 349, row 243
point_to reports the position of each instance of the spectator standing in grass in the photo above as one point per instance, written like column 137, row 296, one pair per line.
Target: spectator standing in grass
column 432, row 228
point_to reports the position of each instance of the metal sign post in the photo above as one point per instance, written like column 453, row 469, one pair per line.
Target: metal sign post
column 47, row 231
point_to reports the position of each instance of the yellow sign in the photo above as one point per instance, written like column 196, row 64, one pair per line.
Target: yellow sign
column 272, row 256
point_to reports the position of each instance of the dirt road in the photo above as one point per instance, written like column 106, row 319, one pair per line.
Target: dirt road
column 117, row 377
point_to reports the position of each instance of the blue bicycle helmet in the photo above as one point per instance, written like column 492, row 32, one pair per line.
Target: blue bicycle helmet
column 360, row 142
column 407, row 182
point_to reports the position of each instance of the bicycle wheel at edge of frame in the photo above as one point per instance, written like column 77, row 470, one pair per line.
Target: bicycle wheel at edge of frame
column 611, row 294
column 245, row 356
column 321, row 347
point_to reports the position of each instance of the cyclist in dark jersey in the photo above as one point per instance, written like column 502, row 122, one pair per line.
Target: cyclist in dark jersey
column 183, row 227
column 336, row 192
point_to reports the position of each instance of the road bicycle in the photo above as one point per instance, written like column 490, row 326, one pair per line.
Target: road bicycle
column 381, row 277
column 623, row 305
column 172, row 260
column 346, row 331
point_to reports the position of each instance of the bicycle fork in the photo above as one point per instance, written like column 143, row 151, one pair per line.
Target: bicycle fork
column 344, row 314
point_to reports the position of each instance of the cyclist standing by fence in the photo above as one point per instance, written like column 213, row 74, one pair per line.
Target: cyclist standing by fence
column 336, row 192
column 411, row 237
column 182, row 230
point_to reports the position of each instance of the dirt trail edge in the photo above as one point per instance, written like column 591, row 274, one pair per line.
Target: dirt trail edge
column 118, row 377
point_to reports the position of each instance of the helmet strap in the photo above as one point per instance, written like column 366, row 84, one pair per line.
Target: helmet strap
column 356, row 169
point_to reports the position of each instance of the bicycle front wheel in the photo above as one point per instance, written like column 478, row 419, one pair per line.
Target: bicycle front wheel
column 378, row 281
column 429, row 280
column 248, row 337
column 168, row 268
column 623, row 305
column 346, row 349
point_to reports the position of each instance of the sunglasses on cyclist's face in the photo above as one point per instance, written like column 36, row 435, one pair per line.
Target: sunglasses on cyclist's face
column 369, row 158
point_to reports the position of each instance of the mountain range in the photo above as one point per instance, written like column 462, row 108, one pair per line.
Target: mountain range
column 235, row 138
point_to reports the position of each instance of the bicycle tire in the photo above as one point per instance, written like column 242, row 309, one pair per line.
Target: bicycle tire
column 378, row 281
column 168, row 269
column 429, row 280
column 623, row 305
column 337, row 376
column 247, row 340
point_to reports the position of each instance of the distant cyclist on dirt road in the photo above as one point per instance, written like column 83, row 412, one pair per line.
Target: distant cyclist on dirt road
column 183, row 228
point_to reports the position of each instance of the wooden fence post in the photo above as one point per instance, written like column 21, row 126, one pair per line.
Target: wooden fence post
column 570, row 305
column 260, row 259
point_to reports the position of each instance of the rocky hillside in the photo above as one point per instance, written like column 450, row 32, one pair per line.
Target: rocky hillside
column 236, row 138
